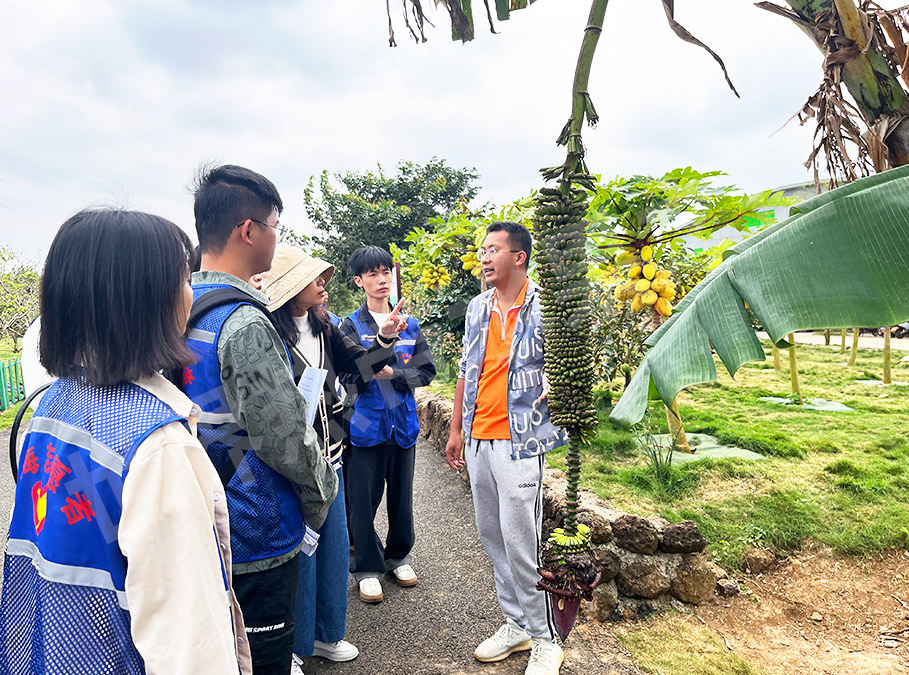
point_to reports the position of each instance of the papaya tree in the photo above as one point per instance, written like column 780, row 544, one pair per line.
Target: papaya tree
column 838, row 260
column 640, row 220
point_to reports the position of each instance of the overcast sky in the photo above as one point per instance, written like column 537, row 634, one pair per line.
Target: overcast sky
column 118, row 102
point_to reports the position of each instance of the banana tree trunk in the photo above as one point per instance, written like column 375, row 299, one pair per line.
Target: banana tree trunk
column 854, row 352
column 843, row 341
column 776, row 358
column 866, row 74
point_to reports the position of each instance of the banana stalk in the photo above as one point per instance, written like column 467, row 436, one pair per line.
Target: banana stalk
column 569, row 571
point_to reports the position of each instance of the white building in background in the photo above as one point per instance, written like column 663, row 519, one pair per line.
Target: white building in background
column 798, row 191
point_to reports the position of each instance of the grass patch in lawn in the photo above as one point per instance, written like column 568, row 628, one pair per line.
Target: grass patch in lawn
column 679, row 646
column 837, row 478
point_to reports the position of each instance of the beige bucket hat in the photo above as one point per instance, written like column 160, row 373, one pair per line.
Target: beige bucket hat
column 292, row 271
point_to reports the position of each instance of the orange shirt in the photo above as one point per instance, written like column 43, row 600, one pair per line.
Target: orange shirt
column 490, row 419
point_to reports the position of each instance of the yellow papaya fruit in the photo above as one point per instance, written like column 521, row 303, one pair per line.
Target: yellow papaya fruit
column 649, row 297
column 668, row 293
column 662, row 274
column 649, row 270
column 642, row 285
column 659, row 285
column 626, row 290
column 663, row 306
column 647, row 253
column 634, row 272
column 636, row 304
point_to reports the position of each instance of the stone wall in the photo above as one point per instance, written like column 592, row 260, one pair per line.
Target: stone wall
column 646, row 563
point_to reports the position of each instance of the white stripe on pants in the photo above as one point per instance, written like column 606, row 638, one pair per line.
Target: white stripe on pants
column 508, row 501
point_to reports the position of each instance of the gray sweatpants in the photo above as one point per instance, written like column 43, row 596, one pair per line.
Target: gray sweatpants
column 508, row 500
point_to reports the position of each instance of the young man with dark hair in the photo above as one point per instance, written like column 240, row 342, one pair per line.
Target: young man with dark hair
column 253, row 423
column 500, row 406
column 383, row 433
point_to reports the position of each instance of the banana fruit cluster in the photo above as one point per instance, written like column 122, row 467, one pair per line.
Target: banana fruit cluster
column 565, row 303
column 647, row 284
column 435, row 276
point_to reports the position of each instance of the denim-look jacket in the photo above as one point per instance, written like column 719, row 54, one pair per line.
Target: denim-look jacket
column 532, row 432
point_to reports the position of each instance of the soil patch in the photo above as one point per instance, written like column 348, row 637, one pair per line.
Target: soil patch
column 820, row 613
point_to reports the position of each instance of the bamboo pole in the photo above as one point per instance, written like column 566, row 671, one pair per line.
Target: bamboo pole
column 793, row 370
column 776, row 357
column 854, row 352
column 887, row 379
column 676, row 428
column 842, row 341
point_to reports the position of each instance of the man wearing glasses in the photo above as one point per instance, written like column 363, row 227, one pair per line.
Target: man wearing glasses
column 500, row 406
column 253, row 420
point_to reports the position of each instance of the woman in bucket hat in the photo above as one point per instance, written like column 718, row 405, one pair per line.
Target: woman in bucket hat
column 295, row 286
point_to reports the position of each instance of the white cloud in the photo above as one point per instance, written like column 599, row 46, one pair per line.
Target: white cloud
column 121, row 102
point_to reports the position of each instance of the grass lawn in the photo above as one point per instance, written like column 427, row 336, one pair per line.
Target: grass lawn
column 840, row 478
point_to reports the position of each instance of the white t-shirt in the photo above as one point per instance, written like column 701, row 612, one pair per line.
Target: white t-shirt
column 308, row 343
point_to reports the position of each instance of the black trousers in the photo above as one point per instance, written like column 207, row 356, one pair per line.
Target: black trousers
column 268, row 600
column 369, row 471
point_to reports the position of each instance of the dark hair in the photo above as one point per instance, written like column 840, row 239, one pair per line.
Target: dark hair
column 518, row 236
column 196, row 263
column 226, row 196
column 369, row 258
column 287, row 330
column 109, row 297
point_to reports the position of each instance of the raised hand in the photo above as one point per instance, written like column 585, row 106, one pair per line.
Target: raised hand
column 394, row 324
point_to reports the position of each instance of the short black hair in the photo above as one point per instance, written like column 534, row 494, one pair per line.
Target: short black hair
column 518, row 236
column 110, row 295
column 226, row 196
column 368, row 258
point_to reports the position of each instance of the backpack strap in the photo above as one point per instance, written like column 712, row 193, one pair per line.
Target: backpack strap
column 201, row 306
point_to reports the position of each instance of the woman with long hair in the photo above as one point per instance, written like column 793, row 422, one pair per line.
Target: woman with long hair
column 118, row 557
column 295, row 286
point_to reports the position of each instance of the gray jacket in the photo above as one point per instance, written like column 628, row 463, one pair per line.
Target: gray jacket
column 532, row 432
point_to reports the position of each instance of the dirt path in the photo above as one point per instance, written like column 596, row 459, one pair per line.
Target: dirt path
column 433, row 628
column 820, row 614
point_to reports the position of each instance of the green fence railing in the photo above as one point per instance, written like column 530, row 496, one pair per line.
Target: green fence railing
column 12, row 386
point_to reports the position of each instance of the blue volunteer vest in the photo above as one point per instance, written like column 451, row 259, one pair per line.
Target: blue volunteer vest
column 382, row 413
column 265, row 518
column 63, row 608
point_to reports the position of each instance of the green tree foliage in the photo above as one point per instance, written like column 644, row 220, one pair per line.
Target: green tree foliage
column 448, row 244
column 357, row 209
column 19, row 282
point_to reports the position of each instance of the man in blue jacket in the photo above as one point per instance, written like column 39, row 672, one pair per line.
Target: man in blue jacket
column 383, row 433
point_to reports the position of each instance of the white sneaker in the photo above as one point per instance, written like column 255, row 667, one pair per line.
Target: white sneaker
column 545, row 658
column 371, row 590
column 296, row 666
column 405, row 576
column 510, row 638
column 338, row 651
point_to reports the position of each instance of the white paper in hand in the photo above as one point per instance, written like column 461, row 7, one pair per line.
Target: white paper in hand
column 311, row 383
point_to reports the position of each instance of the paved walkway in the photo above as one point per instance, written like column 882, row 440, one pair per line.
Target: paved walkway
column 865, row 341
column 433, row 628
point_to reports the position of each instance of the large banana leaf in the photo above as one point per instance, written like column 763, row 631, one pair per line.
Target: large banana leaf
column 841, row 260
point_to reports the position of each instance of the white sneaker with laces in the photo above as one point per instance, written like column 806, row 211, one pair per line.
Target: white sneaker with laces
column 296, row 666
column 510, row 638
column 545, row 658
column 338, row 651
column 405, row 576
column 371, row 590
